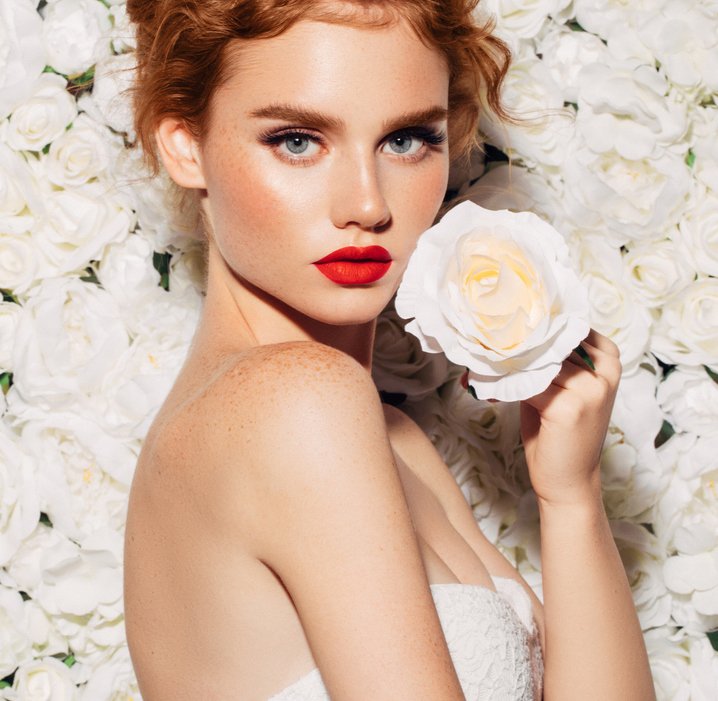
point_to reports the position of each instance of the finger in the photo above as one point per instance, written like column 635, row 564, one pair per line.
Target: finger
column 605, row 362
column 600, row 342
column 543, row 400
column 571, row 374
column 579, row 356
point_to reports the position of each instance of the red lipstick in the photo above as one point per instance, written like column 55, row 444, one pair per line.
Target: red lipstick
column 353, row 265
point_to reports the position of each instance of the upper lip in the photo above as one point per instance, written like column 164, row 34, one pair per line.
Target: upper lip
column 357, row 253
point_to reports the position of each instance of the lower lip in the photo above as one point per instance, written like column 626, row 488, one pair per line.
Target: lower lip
column 349, row 272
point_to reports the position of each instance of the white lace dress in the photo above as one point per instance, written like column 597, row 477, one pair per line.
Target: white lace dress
column 492, row 637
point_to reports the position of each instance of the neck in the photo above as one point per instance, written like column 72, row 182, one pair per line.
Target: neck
column 237, row 316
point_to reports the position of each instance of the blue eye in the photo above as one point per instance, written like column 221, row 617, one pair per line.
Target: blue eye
column 403, row 144
column 296, row 143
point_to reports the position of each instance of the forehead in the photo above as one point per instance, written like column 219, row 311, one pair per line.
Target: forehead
column 338, row 68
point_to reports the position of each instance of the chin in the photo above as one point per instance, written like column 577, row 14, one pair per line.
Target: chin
column 350, row 313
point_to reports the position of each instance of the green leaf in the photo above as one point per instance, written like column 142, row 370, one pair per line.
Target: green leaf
column 4, row 684
column 574, row 26
column 585, row 356
column 161, row 261
column 90, row 276
column 81, row 81
column 7, row 296
column 5, row 382
column 713, row 637
column 690, row 159
column 711, row 374
column 69, row 660
column 664, row 434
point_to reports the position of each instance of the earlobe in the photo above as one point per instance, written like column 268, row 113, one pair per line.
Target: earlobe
column 179, row 153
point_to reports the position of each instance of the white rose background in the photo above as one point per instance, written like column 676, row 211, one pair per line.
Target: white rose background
column 101, row 288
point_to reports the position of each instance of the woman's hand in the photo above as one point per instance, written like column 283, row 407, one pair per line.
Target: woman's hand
column 564, row 427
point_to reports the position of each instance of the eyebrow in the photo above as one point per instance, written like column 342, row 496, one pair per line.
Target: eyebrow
column 314, row 118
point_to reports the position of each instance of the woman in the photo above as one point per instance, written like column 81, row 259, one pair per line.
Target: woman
column 288, row 536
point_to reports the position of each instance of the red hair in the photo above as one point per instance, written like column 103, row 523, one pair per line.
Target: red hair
column 182, row 55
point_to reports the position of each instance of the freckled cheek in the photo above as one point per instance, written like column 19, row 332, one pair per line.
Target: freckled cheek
column 254, row 196
column 421, row 195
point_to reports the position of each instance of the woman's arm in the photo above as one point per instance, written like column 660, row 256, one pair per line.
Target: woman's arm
column 594, row 647
column 308, row 482
column 594, row 644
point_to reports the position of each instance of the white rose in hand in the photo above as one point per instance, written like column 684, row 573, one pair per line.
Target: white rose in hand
column 495, row 292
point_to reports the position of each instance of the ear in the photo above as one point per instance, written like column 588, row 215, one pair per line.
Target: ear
column 179, row 152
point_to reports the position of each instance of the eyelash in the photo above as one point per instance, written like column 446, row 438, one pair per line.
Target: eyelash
column 431, row 138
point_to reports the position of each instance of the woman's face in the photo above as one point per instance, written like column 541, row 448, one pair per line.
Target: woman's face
column 327, row 136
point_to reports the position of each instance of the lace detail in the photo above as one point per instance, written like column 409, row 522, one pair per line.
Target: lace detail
column 491, row 635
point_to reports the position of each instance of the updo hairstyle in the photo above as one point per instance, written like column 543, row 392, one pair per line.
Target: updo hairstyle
column 182, row 55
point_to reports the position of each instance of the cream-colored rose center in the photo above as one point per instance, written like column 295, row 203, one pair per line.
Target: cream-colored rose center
column 503, row 292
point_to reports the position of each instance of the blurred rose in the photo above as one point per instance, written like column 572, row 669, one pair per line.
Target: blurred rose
column 132, row 390
column 19, row 502
column 636, row 412
column 522, row 18
column 24, row 570
column 687, row 331
column 683, row 39
column 44, row 679
column 705, row 146
column 690, row 399
column 669, row 662
column 656, row 271
column 614, row 311
column 43, row 116
column 699, row 233
column 495, row 293
column 695, row 575
column 15, row 643
column 642, row 559
column 9, row 315
column 621, row 199
column 565, row 53
column 81, row 153
column 23, row 56
column 83, row 473
column 76, row 34
column 631, row 478
column 516, row 189
column 127, row 272
column 18, row 262
column 68, row 338
column 704, row 668
column 629, row 111
column 20, row 200
column 79, row 223
column 399, row 365
column 113, row 678
column 123, row 32
column 109, row 103
column 602, row 17
column 529, row 90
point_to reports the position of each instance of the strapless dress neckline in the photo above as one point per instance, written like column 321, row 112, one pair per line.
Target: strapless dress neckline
column 509, row 604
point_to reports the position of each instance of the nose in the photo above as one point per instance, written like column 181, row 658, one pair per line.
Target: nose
column 358, row 198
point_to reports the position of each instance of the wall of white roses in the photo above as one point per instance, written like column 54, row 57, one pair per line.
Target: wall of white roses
column 101, row 291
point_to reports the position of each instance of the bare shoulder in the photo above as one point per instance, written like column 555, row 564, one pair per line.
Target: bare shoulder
column 265, row 400
column 305, row 479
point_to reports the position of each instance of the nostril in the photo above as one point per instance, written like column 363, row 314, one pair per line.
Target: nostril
column 379, row 228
